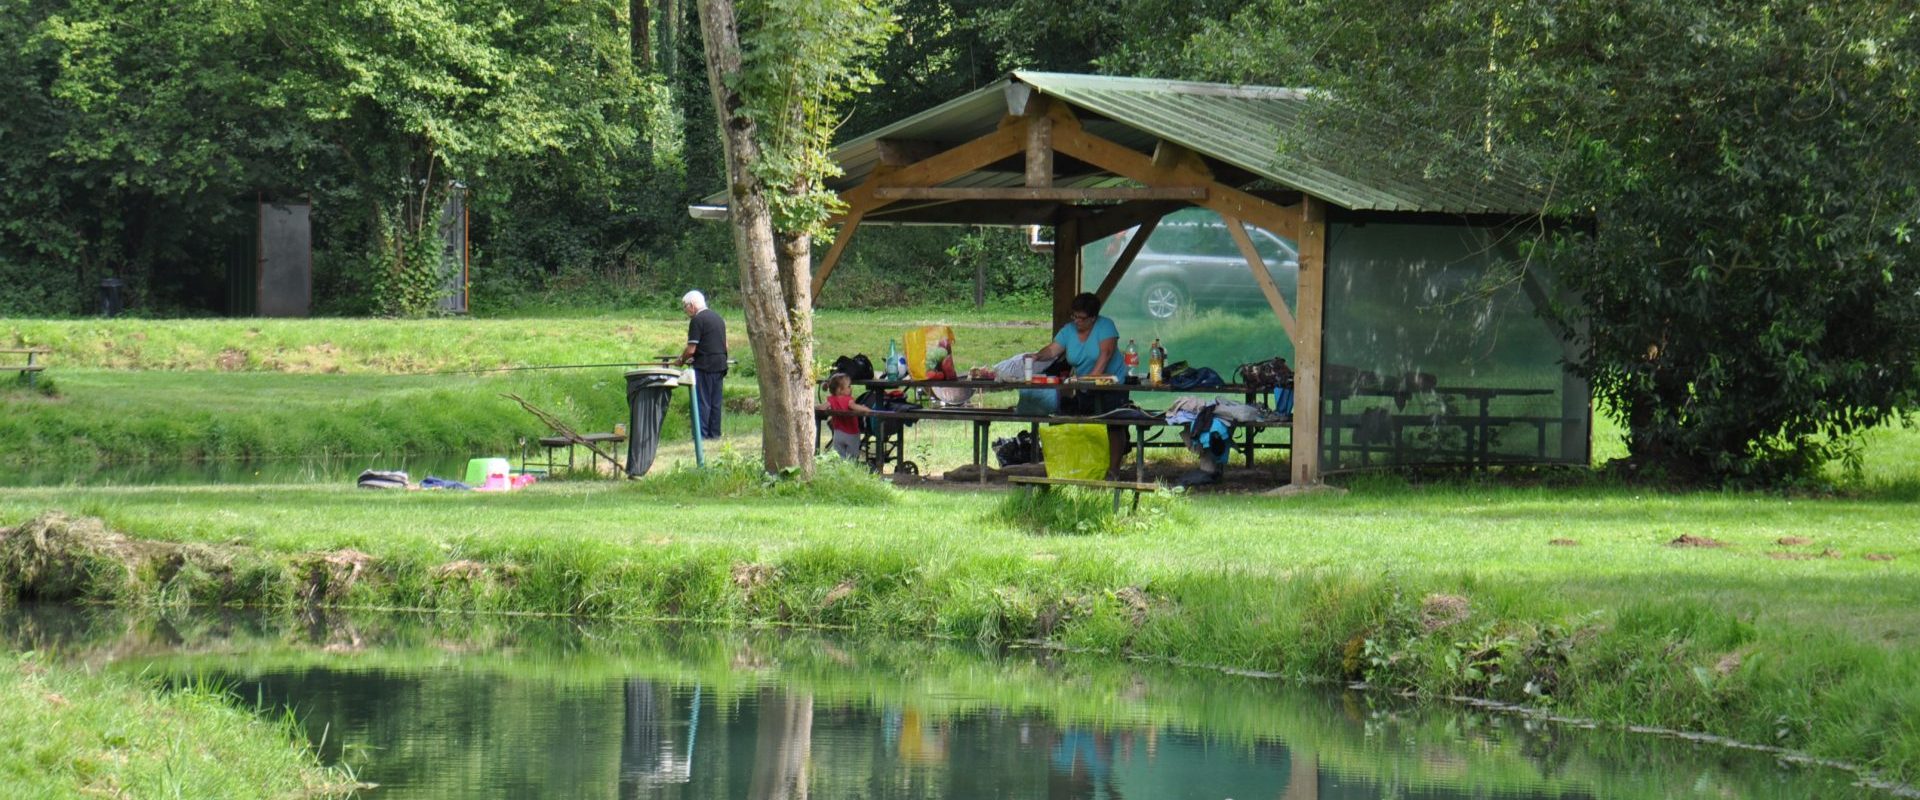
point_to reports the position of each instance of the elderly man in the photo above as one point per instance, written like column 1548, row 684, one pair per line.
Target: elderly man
column 707, row 352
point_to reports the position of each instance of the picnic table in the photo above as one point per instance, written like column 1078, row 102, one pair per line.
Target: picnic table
column 29, row 369
column 1479, row 426
column 982, row 419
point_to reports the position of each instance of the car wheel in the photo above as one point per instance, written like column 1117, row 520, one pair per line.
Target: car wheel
column 1163, row 299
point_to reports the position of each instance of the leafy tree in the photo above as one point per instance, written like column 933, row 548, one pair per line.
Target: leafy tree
column 141, row 129
column 1749, row 169
column 777, row 72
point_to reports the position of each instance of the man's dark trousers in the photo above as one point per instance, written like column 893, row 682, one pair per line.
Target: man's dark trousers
column 708, row 385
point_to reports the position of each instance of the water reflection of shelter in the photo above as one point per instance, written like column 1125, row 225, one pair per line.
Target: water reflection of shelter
column 1095, row 764
column 1385, row 267
column 656, row 741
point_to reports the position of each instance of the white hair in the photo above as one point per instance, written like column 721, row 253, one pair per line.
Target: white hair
column 695, row 299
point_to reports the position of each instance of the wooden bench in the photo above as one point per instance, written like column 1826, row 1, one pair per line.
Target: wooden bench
column 552, row 443
column 29, row 369
column 1042, row 484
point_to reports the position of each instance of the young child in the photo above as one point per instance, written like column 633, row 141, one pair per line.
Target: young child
column 846, row 430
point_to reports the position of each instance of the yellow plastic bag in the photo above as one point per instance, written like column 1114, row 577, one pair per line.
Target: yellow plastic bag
column 929, row 347
column 1075, row 451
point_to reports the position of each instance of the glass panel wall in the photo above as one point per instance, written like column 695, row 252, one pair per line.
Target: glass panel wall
column 1191, row 288
column 1434, row 353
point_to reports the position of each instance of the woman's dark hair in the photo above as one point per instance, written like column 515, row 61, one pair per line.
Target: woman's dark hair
column 1086, row 303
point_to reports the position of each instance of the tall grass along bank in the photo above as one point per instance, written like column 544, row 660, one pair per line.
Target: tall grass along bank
column 65, row 733
column 1769, row 620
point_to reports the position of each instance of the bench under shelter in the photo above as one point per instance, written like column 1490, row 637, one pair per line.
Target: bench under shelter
column 1402, row 299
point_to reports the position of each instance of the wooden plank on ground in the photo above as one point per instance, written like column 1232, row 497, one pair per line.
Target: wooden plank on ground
column 1085, row 484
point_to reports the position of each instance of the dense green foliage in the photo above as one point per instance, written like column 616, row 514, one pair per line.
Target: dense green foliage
column 139, row 133
column 1747, row 285
column 139, row 137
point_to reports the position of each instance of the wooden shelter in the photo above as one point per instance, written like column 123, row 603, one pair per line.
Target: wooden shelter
column 1092, row 156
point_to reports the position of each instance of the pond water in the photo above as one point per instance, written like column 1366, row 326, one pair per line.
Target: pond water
column 453, row 707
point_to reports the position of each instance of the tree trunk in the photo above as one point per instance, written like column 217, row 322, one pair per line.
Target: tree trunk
column 795, row 263
column 783, row 740
column 671, row 14
column 639, row 42
column 786, row 404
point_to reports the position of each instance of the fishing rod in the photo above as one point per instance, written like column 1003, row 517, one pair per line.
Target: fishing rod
column 535, row 367
column 659, row 361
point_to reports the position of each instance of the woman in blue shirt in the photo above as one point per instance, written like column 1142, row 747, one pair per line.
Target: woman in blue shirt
column 1090, row 343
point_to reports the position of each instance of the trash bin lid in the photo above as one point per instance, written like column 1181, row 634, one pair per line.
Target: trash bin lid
column 653, row 376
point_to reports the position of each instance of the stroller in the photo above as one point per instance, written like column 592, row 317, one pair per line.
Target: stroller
column 884, row 441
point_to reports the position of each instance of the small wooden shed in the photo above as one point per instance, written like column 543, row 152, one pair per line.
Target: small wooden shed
column 1096, row 157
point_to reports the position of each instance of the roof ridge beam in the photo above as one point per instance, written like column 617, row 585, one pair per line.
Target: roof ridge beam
column 1008, row 140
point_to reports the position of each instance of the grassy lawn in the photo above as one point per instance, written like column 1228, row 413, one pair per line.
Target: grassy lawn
column 1447, row 535
column 327, row 346
column 133, row 390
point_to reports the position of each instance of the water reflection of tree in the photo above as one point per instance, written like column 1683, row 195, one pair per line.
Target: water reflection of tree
column 781, row 745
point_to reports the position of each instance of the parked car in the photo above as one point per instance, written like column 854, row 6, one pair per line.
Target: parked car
column 1191, row 262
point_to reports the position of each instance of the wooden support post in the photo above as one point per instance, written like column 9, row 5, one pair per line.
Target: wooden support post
column 1066, row 268
column 838, row 249
column 1040, row 152
column 1120, row 265
column 1306, row 352
column 1238, row 231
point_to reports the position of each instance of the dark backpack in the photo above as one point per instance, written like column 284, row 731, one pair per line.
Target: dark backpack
column 1197, row 378
column 858, row 367
column 1263, row 376
column 1020, row 449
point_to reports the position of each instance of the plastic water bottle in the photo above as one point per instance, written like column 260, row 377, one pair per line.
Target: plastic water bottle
column 896, row 361
column 1156, row 363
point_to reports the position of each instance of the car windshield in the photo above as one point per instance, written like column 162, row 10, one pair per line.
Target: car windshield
column 1197, row 232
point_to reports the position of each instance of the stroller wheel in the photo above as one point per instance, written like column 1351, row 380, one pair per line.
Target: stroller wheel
column 908, row 468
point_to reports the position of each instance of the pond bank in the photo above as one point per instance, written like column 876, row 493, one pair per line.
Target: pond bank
column 560, row 704
column 1604, row 647
column 71, row 733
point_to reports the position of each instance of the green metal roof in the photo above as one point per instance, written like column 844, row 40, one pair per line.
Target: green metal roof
column 1266, row 132
column 1269, row 132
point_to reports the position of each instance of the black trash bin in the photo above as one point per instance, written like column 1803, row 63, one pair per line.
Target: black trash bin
column 649, row 392
column 110, row 298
